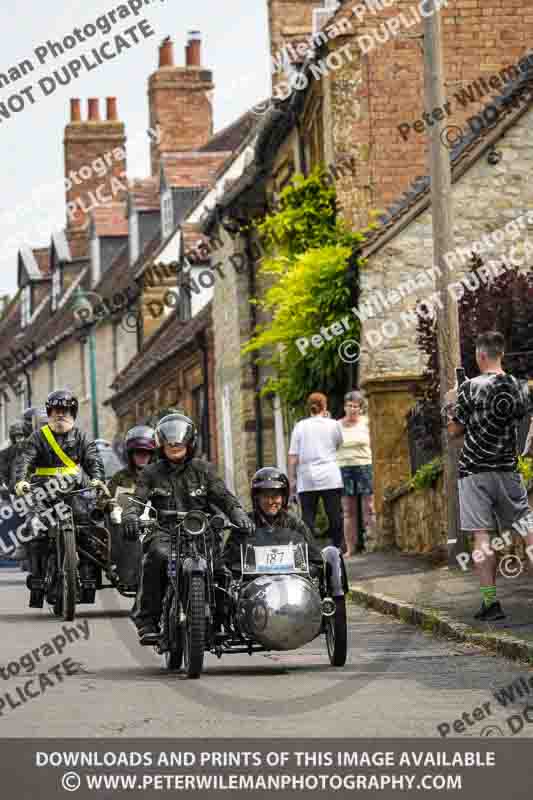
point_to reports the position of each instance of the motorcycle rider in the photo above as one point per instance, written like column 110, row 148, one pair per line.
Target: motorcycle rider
column 177, row 481
column 139, row 444
column 270, row 499
column 9, row 454
column 55, row 450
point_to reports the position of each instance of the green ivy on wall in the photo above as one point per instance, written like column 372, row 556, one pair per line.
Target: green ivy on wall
column 313, row 258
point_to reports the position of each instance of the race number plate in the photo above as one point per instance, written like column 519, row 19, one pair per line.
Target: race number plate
column 276, row 558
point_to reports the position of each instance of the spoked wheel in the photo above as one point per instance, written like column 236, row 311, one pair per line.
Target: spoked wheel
column 68, row 573
column 336, row 634
column 195, row 625
column 174, row 655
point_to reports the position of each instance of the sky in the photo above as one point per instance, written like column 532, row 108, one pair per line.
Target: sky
column 234, row 47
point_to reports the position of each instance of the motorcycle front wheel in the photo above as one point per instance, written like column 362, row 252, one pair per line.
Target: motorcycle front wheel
column 195, row 627
column 174, row 655
column 69, row 574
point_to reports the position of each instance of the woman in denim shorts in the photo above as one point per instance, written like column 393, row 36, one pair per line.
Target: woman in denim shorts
column 355, row 460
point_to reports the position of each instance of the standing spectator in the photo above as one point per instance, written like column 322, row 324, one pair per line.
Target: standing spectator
column 487, row 411
column 313, row 459
column 355, row 460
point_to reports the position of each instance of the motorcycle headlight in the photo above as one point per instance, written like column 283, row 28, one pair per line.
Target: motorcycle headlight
column 195, row 523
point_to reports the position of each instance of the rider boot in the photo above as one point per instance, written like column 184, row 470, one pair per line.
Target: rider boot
column 151, row 591
column 35, row 581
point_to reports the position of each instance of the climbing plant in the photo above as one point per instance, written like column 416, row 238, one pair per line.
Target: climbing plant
column 312, row 260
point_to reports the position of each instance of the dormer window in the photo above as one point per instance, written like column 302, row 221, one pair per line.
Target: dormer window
column 56, row 287
column 25, row 307
column 167, row 213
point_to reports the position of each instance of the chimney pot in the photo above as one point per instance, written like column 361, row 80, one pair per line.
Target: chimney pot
column 94, row 110
column 111, row 108
column 75, row 110
column 193, row 50
column 166, row 53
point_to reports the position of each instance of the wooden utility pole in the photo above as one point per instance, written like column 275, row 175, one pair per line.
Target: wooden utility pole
column 443, row 242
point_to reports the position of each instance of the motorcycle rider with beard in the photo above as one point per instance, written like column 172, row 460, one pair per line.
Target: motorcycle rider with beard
column 177, row 481
column 270, row 499
column 55, row 450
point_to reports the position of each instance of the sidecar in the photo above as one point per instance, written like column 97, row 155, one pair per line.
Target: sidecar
column 280, row 605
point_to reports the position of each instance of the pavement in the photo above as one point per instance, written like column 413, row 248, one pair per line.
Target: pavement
column 443, row 601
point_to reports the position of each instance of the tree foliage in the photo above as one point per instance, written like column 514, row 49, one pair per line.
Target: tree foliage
column 312, row 263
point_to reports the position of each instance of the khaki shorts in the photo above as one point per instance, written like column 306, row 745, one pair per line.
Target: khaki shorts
column 492, row 500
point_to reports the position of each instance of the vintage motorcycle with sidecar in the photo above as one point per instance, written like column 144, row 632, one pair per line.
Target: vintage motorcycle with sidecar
column 84, row 546
column 272, row 602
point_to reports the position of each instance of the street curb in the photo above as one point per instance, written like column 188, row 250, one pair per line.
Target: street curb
column 440, row 624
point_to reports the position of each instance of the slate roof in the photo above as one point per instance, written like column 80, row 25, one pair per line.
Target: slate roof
column 230, row 137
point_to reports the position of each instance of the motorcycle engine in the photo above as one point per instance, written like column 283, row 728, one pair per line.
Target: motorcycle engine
column 282, row 612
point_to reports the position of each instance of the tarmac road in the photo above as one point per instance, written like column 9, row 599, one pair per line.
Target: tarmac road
column 399, row 681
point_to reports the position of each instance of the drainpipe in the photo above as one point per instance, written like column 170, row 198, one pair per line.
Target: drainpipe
column 252, row 288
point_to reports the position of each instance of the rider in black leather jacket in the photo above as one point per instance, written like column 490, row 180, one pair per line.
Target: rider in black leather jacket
column 182, row 483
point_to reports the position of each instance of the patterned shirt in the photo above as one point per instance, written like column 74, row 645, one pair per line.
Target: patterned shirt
column 489, row 407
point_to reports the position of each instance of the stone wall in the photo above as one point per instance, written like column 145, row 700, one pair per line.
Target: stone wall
column 485, row 199
column 414, row 521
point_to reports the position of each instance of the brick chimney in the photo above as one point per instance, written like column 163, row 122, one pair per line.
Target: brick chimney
column 290, row 23
column 180, row 102
column 94, row 139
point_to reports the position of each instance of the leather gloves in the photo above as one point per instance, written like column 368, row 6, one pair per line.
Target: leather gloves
column 131, row 526
column 96, row 483
column 22, row 488
column 241, row 519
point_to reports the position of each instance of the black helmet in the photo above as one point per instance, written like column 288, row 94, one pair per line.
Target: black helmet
column 141, row 437
column 269, row 478
column 16, row 431
column 34, row 418
column 62, row 398
column 177, row 429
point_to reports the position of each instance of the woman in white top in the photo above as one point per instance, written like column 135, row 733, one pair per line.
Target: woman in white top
column 313, row 469
column 355, row 460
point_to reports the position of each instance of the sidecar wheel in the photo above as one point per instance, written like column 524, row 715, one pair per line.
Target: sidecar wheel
column 195, row 625
column 337, row 634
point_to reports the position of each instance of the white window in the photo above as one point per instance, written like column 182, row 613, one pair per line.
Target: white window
column 25, row 308
column 95, row 260
column 56, row 287
column 167, row 213
column 134, row 237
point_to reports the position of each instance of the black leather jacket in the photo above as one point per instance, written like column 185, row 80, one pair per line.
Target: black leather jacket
column 36, row 452
column 284, row 520
column 193, row 486
column 8, row 458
